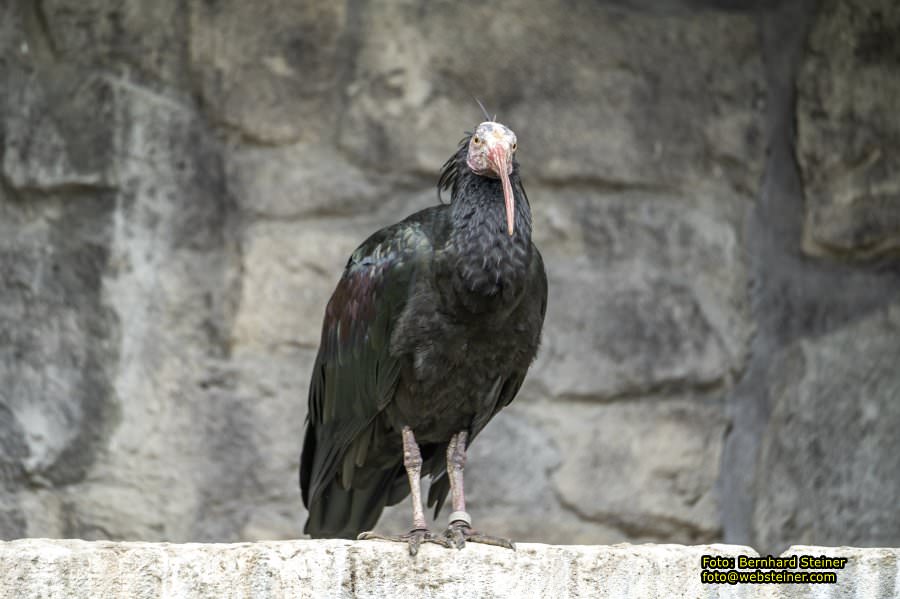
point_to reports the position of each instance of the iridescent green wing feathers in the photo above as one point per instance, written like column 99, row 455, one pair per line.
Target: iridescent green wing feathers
column 355, row 376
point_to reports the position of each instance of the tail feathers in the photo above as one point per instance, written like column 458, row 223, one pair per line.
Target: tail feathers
column 344, row 513
column 437, row 492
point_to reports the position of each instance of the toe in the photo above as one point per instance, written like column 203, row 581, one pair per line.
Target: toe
column 439, row 540
column 457, row 538
column 456, row 535
column 489, row 540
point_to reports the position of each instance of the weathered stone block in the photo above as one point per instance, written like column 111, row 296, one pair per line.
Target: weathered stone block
column 301, row 180
column 649, row 469
column 270, row 69
column 830, row 455
column 150, row 36
column 681, row 95
column 647, row 291
column 289, row 274
column 312, row 569
column 52, row 143
column 149, row 261
column 848, row 134
column 56, row 372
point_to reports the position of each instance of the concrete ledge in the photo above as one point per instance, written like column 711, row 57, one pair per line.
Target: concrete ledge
column 72, row 569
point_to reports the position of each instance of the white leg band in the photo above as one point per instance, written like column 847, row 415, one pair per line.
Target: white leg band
column 460, row 517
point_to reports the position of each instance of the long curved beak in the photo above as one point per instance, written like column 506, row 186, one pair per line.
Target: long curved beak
column 500, row 163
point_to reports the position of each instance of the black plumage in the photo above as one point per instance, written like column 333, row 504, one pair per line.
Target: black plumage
column 432, row 326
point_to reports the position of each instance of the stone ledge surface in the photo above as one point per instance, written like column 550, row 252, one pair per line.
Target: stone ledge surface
column 73, row 569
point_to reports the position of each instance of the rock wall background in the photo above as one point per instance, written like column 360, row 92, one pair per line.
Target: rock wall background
column 716, row 197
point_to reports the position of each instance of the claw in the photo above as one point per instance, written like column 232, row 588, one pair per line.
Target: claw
column 459, row 532
column 456, row 537
column 414, row 538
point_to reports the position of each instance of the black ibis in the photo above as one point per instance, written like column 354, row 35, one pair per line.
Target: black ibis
column 429, row 333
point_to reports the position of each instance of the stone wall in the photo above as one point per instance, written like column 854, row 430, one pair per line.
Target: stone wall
column 50, row 569
column 715, row 195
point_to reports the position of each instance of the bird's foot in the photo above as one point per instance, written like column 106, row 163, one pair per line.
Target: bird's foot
column 415, row 538
column 460, row 531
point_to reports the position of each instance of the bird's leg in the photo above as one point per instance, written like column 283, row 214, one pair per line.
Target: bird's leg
column 460, row 529
column 412, row 461
column 456, row 463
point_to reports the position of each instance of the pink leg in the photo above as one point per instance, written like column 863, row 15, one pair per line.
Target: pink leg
column 412, row 461
column 460, row 529
column 456, row 463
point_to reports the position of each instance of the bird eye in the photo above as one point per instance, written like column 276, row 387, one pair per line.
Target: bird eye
column 476, row 140
column 514, row 146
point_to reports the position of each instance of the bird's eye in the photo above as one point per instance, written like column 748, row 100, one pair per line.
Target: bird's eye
column 476, row 140
column 514, row 146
